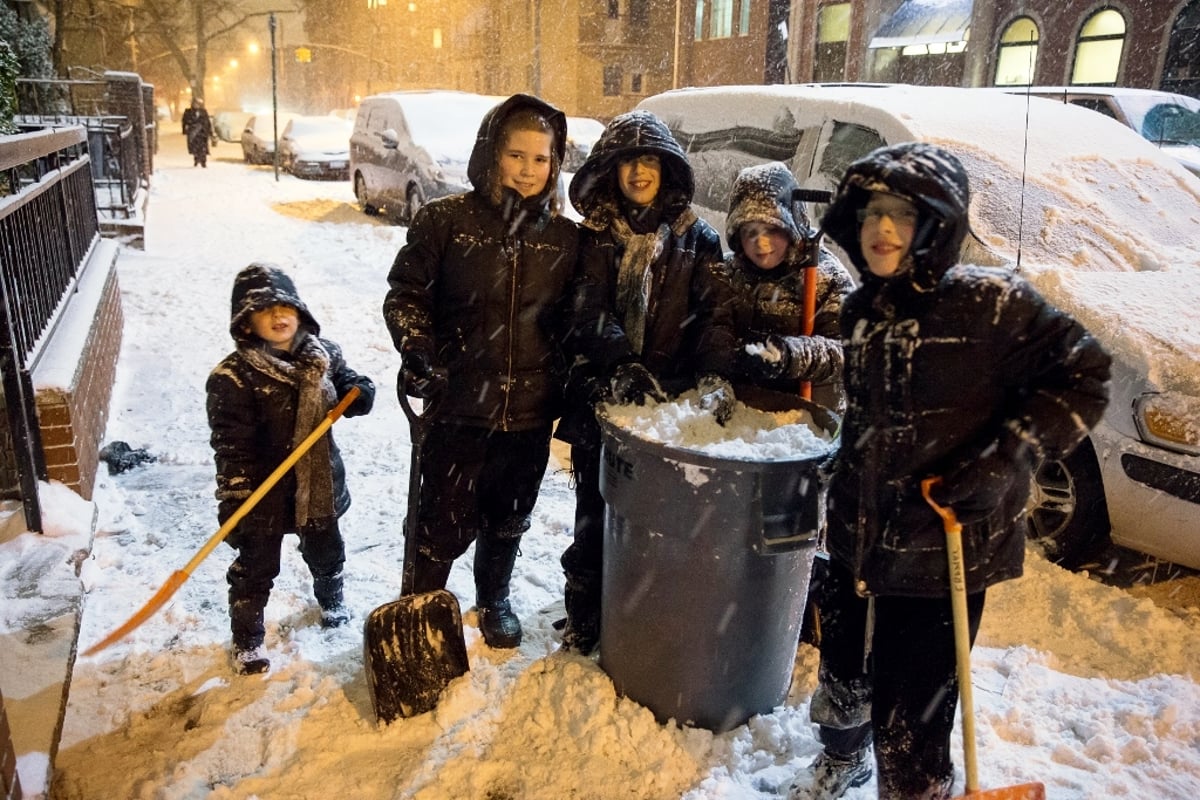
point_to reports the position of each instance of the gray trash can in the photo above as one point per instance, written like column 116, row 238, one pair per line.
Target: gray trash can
column 706, row 569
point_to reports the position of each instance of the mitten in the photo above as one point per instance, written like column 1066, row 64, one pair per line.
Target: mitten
column 417, row 367
column 716, row 395
column 764, row 360
column 976, row 486
column 633, row 384
column 365, row 401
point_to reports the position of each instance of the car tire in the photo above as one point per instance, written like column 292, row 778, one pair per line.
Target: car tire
column 360, row 194
column 414, row 199
column 1067, row 513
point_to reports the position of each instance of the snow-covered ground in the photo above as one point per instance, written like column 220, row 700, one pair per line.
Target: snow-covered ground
column 1085, row 687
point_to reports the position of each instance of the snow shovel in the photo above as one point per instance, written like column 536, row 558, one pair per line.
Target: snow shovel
column 179, row 576
column 413, row 647
column 811, row 254
column 962, row 654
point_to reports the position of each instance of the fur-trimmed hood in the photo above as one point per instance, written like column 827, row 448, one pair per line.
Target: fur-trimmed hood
column 262, row 285
column 929, row 177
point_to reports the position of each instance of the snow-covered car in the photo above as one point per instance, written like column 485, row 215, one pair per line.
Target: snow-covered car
column 258, row 136
column 1100, row 220
column 582, row 134
column 228, row 124
column 1171, row 121
column 316, row 147
column 411, row 147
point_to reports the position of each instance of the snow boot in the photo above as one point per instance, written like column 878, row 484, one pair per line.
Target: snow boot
column 250, row 660
column 831, row 775
column 494, row 559
column 581, row 634
column 328, row 591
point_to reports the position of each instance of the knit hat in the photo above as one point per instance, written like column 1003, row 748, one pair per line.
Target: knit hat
column 763, row 193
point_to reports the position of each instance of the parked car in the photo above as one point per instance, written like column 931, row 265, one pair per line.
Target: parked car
column 411, row 147
column 258, row 136
column 582, row 134
column 316, row 147
column 228, row 124
column 1171, row 121
column 1099, row 219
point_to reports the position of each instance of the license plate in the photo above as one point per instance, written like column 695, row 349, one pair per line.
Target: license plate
column 337, row 164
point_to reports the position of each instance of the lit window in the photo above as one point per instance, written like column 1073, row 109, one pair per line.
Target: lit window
column 1017, row 53
column 720, row 24
column 1098, row 51
column 833, row 31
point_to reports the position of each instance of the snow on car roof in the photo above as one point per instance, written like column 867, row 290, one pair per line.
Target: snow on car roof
column 1074, row 190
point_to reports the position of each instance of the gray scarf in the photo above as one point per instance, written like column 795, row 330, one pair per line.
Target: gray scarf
column 634, row 277
column 308, row 372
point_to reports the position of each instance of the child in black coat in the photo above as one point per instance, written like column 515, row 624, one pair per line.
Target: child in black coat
column 264, row 398
column 959, row 372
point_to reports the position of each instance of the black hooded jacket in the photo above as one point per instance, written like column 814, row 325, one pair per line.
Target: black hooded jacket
column 482, row 281
column 959, row 371
column 687, row 330
column 252, row 414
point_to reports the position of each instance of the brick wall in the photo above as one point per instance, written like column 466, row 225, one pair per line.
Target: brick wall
column 72, row 421
column 10, row 782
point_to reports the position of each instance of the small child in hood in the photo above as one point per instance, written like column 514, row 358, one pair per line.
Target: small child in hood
column 264, row 398
column 958, row 372
column 766, row 272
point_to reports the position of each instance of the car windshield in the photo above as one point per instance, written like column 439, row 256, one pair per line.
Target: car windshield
column 446, row 124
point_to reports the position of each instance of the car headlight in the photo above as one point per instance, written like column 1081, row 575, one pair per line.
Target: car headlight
column 1169, row 420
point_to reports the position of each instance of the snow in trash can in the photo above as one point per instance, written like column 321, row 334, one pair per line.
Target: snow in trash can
column 749, row 435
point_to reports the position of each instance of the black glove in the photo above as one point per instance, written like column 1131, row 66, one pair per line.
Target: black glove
column 417, row 369
column 365, row 401
column 716, row 395
column 764, row 360
column 633, row 384
column 976, row 487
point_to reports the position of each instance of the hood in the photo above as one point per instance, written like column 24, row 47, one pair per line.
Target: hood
column 594, row 188
column 481, row 169
column 929, row 177
column 763, row 193
column 262, row 285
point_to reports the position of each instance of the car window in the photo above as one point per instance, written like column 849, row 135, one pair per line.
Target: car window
column 847, row 143
column 1171, row 123
column 1095, row 104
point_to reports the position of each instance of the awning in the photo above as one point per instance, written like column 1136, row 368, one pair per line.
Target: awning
column 924, row 22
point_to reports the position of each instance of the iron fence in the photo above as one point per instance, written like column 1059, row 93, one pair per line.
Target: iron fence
column 48, row 225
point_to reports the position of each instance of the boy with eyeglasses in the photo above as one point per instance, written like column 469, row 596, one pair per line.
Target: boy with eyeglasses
column 961, row 372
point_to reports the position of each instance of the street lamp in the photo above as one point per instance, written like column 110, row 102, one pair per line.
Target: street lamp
column 274, row 95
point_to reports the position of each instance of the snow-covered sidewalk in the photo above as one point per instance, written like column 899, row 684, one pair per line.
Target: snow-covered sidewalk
column 1078, row 685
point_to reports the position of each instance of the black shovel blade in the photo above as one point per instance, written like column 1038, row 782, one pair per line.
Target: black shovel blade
column 412, row 648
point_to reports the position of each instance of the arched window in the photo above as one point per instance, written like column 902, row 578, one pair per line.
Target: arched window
column 1016, row 54
column 1098, row 51
column 1181, row 72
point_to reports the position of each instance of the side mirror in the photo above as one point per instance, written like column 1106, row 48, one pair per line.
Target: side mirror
column 391, row 139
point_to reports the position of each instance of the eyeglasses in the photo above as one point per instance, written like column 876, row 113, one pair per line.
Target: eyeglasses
column 906, row 217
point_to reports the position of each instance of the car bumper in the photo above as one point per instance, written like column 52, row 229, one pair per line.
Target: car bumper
column 335, row 170
column 1153, row 498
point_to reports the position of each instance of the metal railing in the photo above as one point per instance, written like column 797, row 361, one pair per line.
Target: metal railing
column 48, row 226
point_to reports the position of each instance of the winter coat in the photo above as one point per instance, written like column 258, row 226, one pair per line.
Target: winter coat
column 253, row 407
column 957, row 371
column 771, row 302
column 197, row 127
column 483, row 280
column 687, row 330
